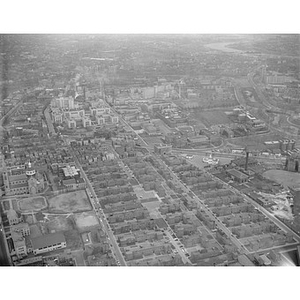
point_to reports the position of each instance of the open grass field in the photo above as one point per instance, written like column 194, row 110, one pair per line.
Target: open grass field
column 32, row 204
column 285, row 178
column 70, row 202
column 209, row 118
column 255, row 141
column 85, row 220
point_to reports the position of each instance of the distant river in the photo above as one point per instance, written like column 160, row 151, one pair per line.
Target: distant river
column 223, row 47
column 97, row 58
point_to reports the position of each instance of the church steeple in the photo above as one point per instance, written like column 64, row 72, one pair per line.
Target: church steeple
column 30, row 171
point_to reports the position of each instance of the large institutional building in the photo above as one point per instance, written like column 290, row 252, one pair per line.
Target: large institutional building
column 48, row 242
column 23, row 180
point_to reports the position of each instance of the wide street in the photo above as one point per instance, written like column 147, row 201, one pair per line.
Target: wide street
column 4, row 259
column 99, row 212
column 9, row 113
column 220, row 155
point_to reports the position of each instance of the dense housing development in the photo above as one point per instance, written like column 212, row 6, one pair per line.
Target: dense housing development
column 150, row 151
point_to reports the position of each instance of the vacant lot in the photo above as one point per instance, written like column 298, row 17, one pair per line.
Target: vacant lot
column 34, row 203
column 58, row 223
column 85, row 220
column 142, row 194
column 73, row 240
column 152, row 206
column 209, row 118
column 69, row 202
column 283, row 177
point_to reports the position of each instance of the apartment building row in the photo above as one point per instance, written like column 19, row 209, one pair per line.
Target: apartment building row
column 221, row 192
column 115, row 190
column 194, row 179
column 246, row 230
column 206, row 219
column 161, row 260
column 242, row 218
column 184, row 229
column 146, row 249
column 121, row 206
column 266, row 241
column 223, row 200
column 133, row 225
column 232, row 209
column 172, row 207
column 124, row 197
column 138, row 213
column 139, row 237
column 204, row 186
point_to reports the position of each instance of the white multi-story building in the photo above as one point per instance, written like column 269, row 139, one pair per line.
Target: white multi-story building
column 63, row 102
column 86, row 122
column 100, row 120
column 114, row 119
column 98, row 111
column 71, row 123
column 74, row 114
column 57, row 117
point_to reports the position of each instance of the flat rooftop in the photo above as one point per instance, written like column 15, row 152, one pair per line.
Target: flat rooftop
column 48, row 240
column 237, row 174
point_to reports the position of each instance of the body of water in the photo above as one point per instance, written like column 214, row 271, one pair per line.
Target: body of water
column 223, row 47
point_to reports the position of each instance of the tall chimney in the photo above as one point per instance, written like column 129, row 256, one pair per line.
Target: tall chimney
column 247, row 157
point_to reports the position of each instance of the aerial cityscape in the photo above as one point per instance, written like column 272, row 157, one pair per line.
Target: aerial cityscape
column 149, row 150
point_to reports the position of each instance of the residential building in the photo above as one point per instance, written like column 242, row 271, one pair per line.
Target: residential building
column 71, row 123
column 86, row 122
column 76, row 114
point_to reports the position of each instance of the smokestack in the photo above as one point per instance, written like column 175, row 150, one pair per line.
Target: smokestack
column 247, row 158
